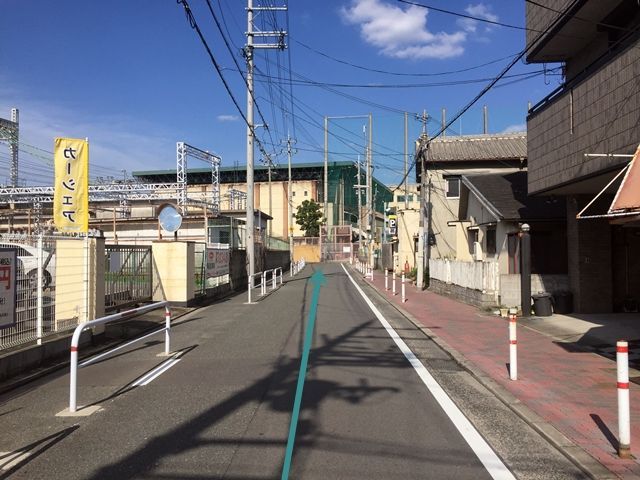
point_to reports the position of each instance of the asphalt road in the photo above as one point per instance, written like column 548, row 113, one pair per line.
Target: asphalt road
column 223, row 410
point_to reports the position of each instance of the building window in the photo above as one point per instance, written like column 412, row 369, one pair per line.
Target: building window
column 306, row 193
column 411, row 198
column 453, row 187
column 400, row 198
column 293, row 193
column 491, row 241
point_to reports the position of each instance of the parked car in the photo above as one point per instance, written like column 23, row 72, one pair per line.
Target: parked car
column 28, row 257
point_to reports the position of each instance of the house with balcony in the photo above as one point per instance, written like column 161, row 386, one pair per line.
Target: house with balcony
column 582, row 135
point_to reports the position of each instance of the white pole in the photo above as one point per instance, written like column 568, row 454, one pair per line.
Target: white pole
column 513, row 348
column 393, row 282
column 167, row 330
column 386, row 280
column 404, row 298
column 86, row 280
column 249, row 288
column 624, row 419
column 74, row 379
column 40, row 287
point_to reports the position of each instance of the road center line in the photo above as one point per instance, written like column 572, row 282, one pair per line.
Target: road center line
column 481, row 448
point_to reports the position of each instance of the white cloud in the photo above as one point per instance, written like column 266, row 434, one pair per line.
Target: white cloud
column 227, row 118
column 402, row 33
column 520, row 127
column 480, row 11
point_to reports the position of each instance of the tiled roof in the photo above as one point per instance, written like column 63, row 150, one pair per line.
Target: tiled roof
column 507, row 193
column 503, row 146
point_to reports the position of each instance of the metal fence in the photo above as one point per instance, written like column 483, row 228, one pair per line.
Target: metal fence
column 128, row 275
column 335, row 243
column 51, row 296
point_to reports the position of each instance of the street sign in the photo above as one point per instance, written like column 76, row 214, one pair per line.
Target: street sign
column 393, row 225
column 8, row 273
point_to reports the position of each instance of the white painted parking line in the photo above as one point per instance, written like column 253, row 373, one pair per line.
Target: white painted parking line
column 8, row 460
column 155, row 373
column 481, row 448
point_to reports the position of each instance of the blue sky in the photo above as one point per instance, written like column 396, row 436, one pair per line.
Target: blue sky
column 134, row 78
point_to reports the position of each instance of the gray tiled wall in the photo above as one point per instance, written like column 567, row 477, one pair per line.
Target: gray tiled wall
column 606, row 119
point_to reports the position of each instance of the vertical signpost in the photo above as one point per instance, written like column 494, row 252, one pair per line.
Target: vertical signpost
column 8, row 273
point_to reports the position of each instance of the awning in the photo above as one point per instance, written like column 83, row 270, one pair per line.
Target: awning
column 626, row 202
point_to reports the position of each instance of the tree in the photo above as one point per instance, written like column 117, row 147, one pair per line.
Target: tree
column 309, row 217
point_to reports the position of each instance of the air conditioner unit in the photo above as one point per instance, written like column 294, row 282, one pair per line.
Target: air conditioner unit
column 477, row 252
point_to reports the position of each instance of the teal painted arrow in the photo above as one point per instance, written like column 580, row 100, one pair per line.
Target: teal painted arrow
column 317, row 280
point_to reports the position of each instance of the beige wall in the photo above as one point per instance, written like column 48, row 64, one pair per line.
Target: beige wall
column 79, row 281
column 279, row 201
column 173, row 271
column 310, row 253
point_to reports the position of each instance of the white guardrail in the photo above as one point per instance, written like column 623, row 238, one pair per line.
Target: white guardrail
column 75, row 339
column 276, row 274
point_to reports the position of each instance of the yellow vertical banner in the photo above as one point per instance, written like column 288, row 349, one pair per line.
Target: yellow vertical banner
column 71, row 185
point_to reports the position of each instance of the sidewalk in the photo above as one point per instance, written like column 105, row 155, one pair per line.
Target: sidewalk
column 561, row 377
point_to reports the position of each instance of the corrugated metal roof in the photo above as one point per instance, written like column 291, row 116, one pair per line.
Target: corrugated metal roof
column 503, row 146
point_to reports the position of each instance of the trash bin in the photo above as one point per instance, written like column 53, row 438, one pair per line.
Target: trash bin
column 563, row 302
column 542, row 304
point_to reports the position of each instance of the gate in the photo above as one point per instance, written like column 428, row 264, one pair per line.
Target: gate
column 335, row 243
column 128, row 275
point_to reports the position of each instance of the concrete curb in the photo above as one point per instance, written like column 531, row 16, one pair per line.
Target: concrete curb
column 578, row 456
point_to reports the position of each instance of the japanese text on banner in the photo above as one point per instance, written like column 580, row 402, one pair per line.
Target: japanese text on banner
column 71, row 185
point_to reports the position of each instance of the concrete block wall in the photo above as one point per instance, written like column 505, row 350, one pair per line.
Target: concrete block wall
column 510, row 287
column 466, row 295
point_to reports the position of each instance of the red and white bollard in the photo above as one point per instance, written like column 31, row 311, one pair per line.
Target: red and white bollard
column 386, row 280
column 404, row 297
column 624, row 419
column 513, row 348
column 393, row 282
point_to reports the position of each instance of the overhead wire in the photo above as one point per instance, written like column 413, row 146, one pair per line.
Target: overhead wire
column 194, row 25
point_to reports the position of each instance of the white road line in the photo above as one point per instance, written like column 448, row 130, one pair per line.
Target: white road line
column 155, row 373
column 8, row 460
column 481, row 448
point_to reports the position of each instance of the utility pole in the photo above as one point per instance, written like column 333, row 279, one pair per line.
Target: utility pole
column 270, row 202
column 406, row 160
column 326, row 169
column 290, row 200
column 369, row 182
column 359, row 188
column 424, row 150
column 248, row 53
column 250, row 133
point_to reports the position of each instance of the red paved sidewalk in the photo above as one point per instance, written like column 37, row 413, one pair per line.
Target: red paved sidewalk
column 572, row 390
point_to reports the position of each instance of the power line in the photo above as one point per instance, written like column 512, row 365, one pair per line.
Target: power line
column 488, row 87
column 403, row 74
column 415, row 85
column 464, row 15
column 224, row 39
column 194, row 25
